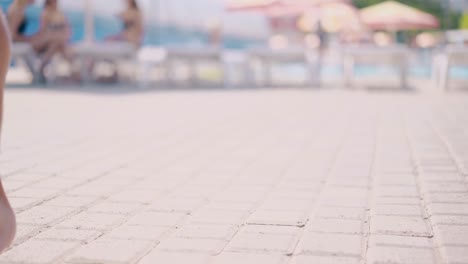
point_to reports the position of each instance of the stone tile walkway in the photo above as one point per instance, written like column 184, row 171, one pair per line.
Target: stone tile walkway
column 221, row 177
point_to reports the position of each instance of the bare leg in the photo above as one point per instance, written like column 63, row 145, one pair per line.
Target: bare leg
column 7, row 221
column 53, row 48
column 7, row 216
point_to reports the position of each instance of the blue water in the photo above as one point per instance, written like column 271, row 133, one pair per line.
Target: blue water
column 155, row 34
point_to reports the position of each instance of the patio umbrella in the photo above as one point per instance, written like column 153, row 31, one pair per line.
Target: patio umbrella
column 336, row 14
column 394, row 16
column 276, row 7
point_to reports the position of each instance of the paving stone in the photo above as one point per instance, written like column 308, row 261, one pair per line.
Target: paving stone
column 306, row 259
column 93, row 221
column 115, row 208
column 110, row 251
column 348, row 226
column 220, row 217
column 331, row 244
column 157, row 256
column 397, row 191
column 20, row 204
column 177, row 205
column 399, row 225
column 41, row 215
column 447, row 197
column 255, row 240
column 397, row 210
column 453, row 254
column 398, row 201
column 341, row 212
column 29, row 192
column 451, row 235
column 286, row 218
column 248, row 258
column 71, row 201
column 157, row 219
column 25, row 231
column 398, row 255
column 400, row 241
column 68, row 234
column 208, row 246
column 282, row 204
column 130, row 232
column 449, row 220
column 207, row 231
column 448, row 209
column 38, row 251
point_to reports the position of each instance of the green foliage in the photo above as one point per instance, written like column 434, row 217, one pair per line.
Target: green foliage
column 448, row 19
column 464, row 21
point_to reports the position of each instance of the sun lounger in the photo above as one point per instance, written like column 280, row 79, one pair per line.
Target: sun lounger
column 236, row 64
column 268, row 57
column 115, row 52
column 192, row 57
column 396, row 55
column 452, row 55
column 148, row 59
column 25, row 52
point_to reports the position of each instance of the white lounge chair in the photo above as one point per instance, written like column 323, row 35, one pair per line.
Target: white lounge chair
column 192, row 57
column 236, row 64
column 267, row 57
column 148, row 59
column 452, row 55
column 25, row 52
column 395, row 55
column 116, row 52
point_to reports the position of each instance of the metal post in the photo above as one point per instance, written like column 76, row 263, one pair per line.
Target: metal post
column 89, row 22
column 155, row 6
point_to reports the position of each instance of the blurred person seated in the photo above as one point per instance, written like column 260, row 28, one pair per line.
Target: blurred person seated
column 132, row 33
column 55, row 30
column 52, row 37
column 132, row 20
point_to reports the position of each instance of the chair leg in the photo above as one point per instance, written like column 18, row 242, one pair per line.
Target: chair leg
column 348, row 69
column 444, row 74
column 404, row 74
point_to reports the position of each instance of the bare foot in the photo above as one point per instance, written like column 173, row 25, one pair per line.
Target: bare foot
column 7, row 221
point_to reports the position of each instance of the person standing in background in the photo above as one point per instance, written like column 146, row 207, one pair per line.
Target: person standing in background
column 7, row 215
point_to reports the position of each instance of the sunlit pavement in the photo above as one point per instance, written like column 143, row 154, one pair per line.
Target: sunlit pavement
column 252, row 176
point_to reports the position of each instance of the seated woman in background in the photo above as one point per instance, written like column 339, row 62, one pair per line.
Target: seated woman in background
column 55, row 31
column 132, row 25
column 53, row 34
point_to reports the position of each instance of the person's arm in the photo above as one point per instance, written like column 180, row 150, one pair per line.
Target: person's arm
column 43, row 22
column 68, row 29
column 14, row 21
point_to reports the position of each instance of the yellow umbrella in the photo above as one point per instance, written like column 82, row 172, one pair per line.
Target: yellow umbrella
column 393, row 16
